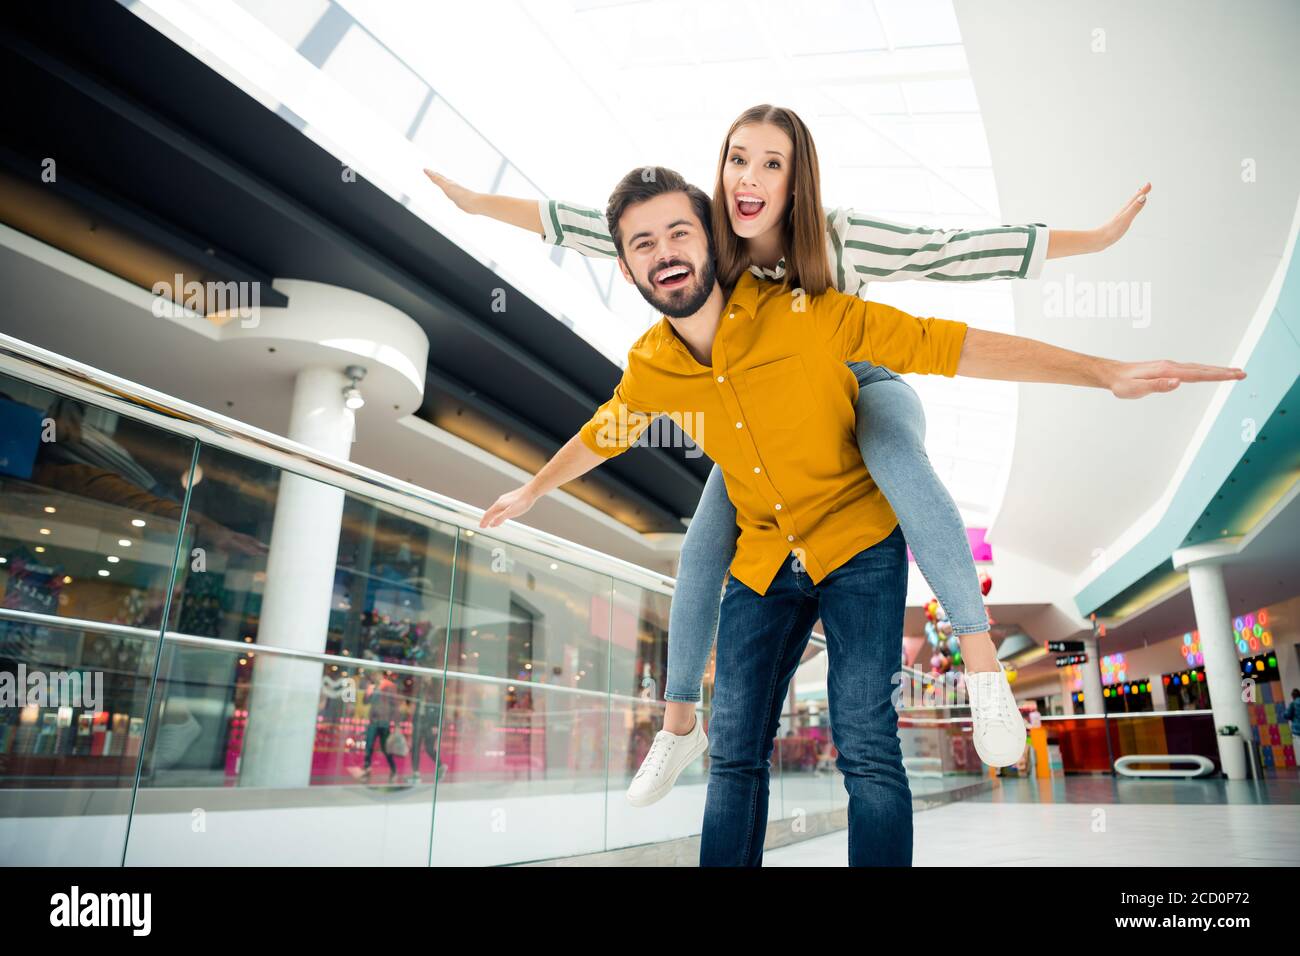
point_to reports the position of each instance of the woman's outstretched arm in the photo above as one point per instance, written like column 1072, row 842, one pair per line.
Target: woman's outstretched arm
column 507, row 209
column 866, row 248
column 581, row 228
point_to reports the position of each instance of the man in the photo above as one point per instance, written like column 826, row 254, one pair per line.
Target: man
column 765, row 367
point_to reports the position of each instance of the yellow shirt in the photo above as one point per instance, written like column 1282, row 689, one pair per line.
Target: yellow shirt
column 775, row 412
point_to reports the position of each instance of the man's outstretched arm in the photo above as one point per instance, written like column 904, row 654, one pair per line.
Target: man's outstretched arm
column 858, row 331
column 1012, row 358
column 572, row 461
column 612, row 430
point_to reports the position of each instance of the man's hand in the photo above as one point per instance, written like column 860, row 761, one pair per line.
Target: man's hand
column 510, row 505
column 1138, row 379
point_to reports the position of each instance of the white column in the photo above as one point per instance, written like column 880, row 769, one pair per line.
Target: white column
column 1158, row 699
column 1204, row 564
column 322, row 331
column 1093, row 702
column 280, row 737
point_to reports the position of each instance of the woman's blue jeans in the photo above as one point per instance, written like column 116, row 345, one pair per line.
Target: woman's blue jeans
column 891, row 435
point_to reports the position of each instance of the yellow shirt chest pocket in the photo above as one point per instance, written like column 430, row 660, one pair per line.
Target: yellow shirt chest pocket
column 777, row 394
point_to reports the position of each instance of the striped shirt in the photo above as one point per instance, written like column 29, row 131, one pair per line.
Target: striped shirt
column 862, row 248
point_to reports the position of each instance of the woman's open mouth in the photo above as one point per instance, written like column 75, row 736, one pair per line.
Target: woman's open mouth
column 671, row 277
column 748, row 206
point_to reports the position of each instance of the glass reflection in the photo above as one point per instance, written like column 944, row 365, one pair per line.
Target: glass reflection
column 91, row 508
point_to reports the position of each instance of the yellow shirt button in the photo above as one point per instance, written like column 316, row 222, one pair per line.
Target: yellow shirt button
column 731, row 315
column 722, row 378
column 778, row 507
column 740, row 424
column 758, row 471
column 789, row 537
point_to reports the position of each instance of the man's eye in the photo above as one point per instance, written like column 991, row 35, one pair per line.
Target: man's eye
column 679, row 233
column 643, row 245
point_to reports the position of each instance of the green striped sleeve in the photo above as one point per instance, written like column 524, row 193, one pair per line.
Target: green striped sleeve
column 580, row 228
column 876, row 249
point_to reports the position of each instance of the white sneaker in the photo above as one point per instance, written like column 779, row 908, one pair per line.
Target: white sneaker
column 999, row 729
column 669, row 755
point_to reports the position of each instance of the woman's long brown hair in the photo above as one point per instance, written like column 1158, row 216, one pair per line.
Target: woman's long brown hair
column 803, row 229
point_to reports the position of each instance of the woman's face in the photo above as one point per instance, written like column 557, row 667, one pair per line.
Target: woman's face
column 756, row 178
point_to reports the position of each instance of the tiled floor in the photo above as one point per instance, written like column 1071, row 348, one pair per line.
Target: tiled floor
column 1085, row 821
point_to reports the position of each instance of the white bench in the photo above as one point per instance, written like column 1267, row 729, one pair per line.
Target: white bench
column 1203, row 766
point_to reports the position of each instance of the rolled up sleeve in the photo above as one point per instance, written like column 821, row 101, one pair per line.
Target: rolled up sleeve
column 616, row 425
column 858, row 331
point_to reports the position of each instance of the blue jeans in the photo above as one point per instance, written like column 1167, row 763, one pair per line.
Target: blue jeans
column 380, row 731
column 891, row 436
column 760, row 643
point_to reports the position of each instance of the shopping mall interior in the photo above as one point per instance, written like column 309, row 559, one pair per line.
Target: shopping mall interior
column 260, row 379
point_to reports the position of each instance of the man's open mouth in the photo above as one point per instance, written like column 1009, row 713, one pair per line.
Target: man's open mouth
column 748, row 206
column 671, row 277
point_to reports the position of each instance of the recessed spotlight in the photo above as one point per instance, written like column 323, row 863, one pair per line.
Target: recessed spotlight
column 46, row 531
column 124, row 542
column 50, row 509
column 113, row 559
column 103, row 573
column 138, row 522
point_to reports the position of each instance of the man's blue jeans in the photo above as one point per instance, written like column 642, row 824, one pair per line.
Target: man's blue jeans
column 760, row 642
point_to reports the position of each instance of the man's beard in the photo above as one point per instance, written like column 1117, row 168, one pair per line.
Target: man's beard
column 683, row 302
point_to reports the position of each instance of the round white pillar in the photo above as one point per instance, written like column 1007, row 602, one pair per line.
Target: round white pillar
column 1204, row 564
column 321, row 332
column 1093, row 702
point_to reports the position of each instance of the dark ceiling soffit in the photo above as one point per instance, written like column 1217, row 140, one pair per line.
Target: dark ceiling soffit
column 145, row 226
column 249, row 184
column 383, row 264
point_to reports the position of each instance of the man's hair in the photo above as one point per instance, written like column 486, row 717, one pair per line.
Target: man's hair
column 647, row 182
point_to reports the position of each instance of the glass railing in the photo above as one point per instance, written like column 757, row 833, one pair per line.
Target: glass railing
column 197, row 679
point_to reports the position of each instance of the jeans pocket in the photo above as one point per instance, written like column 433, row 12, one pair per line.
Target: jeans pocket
column 868, row 373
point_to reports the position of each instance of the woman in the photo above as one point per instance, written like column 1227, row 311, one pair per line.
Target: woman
column 768, row 218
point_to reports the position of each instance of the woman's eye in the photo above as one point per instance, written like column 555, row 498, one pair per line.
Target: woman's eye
column 774, row 164
column 737, row 159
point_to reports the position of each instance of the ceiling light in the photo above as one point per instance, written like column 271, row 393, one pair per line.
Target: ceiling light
column 351, row 394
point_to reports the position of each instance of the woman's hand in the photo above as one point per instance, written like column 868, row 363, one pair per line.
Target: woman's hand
column 510, row 505
column 466, row 200
column 1114, row 230
column 1081, row 242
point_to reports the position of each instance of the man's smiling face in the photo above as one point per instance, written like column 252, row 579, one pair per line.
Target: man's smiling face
column 666, row 254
